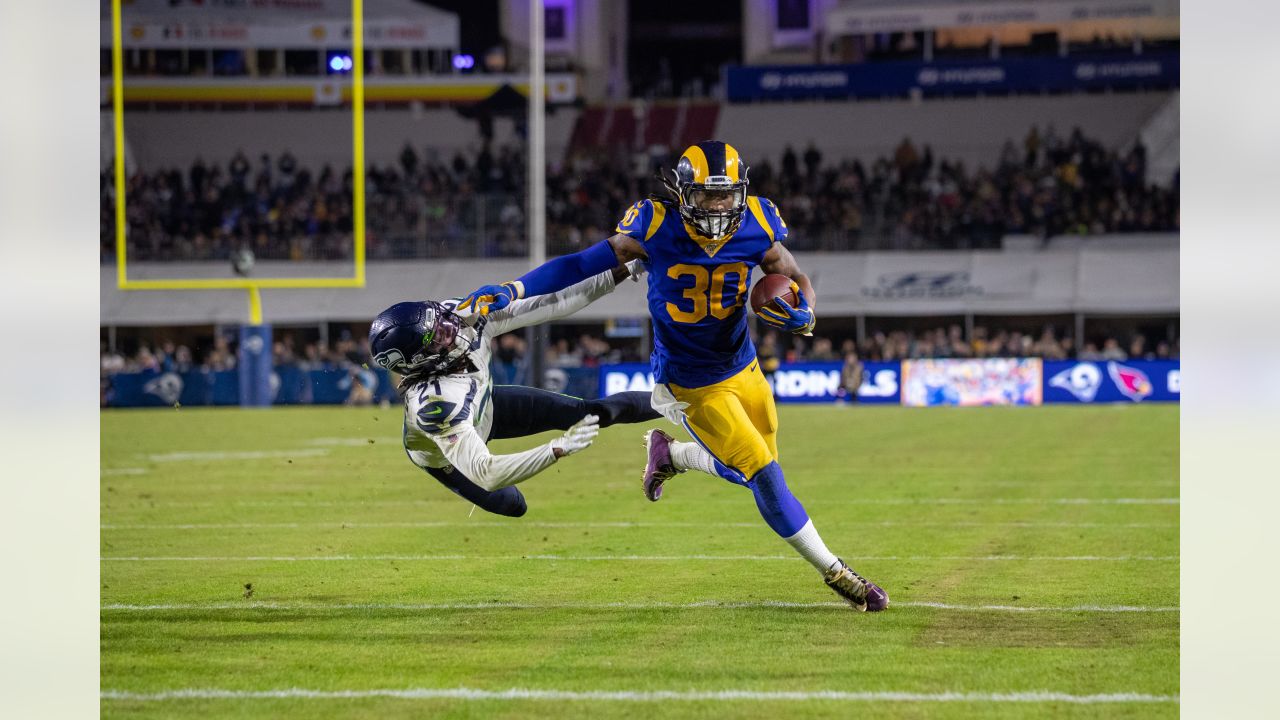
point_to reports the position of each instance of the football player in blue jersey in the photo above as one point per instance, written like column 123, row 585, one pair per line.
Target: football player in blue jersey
column 452, row 408
column 699, row 247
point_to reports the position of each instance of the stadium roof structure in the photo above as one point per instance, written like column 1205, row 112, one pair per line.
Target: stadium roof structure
column 292, row 23
column 870, row 16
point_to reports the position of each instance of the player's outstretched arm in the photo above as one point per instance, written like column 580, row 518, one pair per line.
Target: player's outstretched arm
column 469, row 454
column 554, row 306
column 555, row 275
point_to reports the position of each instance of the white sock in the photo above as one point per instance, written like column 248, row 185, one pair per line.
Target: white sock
column 808, row 543
column 692, row 456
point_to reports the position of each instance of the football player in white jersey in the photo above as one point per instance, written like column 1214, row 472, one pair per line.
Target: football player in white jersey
column 452, row 408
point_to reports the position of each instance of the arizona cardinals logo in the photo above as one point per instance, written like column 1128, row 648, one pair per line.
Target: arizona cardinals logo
column 1131, row 382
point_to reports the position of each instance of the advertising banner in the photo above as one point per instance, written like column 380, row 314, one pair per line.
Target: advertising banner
column 860, row 18
column 917, row 383
column 1112, row 381
column 288, row 385
column 900, row 78
column 986, row 381
column 792, row 382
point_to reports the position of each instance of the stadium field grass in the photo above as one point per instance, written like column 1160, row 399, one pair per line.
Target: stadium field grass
column 1030, row 554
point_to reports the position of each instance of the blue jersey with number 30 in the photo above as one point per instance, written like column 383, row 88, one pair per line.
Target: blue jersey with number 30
column 698, row 289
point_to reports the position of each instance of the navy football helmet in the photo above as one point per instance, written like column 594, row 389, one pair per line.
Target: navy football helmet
column 421, row 338
column 710, row 186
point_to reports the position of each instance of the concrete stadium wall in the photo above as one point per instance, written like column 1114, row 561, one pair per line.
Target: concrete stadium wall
column 315, row 137
column 1086, row 279
column 970, row 129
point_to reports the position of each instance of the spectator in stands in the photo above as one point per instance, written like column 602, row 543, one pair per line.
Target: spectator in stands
column 112, row 362
column 790, row 163
column 1138, row 348
column 850, row 378
column 906, row 157
column 1111, row 350
column 812, row 160
column 1031, row 147
column 239, row 168
column 508, row 365
column 409, row 160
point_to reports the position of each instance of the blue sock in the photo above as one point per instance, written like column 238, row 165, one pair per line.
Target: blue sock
column 777, row 505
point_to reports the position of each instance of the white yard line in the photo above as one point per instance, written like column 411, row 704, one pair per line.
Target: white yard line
column 515, row 524
column 640, row 558
column 880, row 501
column 699, row 605
column 106, row 472
column 1038, row 696
column 236, row 455
column 1013, row 501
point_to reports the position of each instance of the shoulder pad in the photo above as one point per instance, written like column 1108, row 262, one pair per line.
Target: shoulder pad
column 768, row 216
column 642, row 219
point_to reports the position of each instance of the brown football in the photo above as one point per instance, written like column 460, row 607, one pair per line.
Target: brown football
column 772, row 287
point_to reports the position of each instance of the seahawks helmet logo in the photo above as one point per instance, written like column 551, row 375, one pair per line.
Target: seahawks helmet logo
column 389, row 359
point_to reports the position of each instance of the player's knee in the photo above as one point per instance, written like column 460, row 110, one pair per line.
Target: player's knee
column 754, row 462
column 777, row 505
column 508, row 501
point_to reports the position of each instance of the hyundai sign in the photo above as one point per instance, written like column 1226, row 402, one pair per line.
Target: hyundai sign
column 951, row 77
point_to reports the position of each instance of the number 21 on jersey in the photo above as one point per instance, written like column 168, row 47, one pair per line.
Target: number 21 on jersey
column 708, row 291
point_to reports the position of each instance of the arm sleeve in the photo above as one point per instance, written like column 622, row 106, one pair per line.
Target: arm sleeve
column 542, row 308
column 468, row 454
column 566, row 270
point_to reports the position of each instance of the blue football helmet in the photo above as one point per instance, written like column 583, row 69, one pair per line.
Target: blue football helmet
column 421, row 338
column 710, row 186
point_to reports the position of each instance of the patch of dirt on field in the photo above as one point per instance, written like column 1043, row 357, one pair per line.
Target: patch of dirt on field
column 1045, row 629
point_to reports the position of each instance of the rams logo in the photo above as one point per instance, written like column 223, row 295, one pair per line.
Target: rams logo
column 167, row 387
column 1081, row 380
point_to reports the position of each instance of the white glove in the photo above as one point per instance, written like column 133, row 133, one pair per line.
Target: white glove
column 578, row 437
column 636, row 268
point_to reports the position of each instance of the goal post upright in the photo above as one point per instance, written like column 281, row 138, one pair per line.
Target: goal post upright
column 256, row 331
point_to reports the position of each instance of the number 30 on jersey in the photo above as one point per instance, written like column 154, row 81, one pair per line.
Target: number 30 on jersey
column 708, row 291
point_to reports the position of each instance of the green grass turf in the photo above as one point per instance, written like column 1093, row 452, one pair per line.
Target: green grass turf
column 940, row 490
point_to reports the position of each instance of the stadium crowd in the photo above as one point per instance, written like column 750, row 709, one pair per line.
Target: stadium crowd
column 588, row 350
column 219, row 353
column 426, row 205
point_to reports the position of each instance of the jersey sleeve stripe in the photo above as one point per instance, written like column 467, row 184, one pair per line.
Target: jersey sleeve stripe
column 484, row 400
column 655, row 222
column 753, row 202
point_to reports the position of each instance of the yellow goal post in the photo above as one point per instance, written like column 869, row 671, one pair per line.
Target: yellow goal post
column 252, row 285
